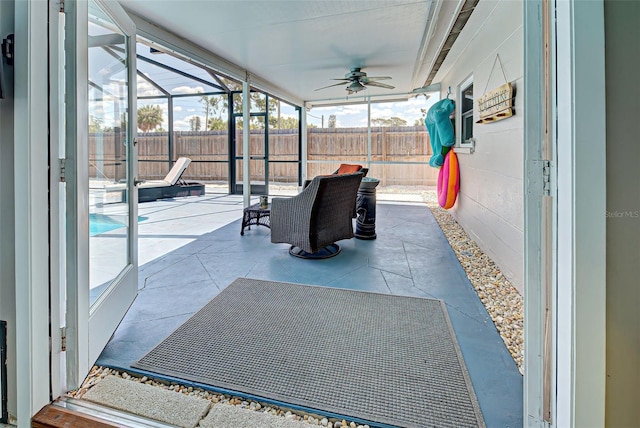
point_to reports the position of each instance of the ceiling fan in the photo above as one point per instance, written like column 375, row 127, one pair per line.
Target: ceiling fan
column 357, row 81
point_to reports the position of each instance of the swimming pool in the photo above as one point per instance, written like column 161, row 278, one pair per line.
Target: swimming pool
column 101, row 223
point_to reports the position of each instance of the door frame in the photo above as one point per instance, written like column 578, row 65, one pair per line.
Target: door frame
column 581, row 246
column 577, row 182
column 89, row 327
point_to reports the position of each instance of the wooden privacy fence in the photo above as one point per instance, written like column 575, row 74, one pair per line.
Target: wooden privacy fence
column 209, row 150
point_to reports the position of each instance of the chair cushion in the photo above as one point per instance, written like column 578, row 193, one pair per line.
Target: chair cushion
column 346, row 168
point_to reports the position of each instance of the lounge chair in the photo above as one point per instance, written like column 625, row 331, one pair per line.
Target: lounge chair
column 317, row 217
column 170, row 187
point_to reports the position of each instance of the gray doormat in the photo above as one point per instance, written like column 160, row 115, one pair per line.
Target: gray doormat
column 375, row 357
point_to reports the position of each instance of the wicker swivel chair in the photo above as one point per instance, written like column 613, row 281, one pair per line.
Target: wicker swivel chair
column 317, row 217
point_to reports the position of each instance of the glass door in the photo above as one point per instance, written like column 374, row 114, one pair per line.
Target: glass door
column 258, row 174
column 258, row 144
column 101, row 205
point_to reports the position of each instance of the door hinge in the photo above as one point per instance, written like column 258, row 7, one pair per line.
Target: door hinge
column 63, row 338
column 8, row 49
column 546, row 178
column 62, row 6
column 62, row 170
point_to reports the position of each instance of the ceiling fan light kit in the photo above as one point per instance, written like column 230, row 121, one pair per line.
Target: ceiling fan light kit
column 357, row 80
column 355, row 87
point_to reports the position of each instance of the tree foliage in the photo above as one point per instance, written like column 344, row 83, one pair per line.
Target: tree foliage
column 195, row 124
column 391, row 121
column 95, row 123
column 217, row 124
column 149, row 117
column 419, row 122
column 286, row 122
column 332, row 121
column 215, row 108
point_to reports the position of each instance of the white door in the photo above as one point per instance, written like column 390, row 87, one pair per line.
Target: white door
column 100, row 169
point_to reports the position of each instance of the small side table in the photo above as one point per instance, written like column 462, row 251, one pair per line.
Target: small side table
column 254, row 215
column 366, row 209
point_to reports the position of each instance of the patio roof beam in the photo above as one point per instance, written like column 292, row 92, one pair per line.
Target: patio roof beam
column 181, row 73
column 101, row 89
column 114, row 55
column 105, row 40
column 199, row 94
column 110, row 51
column 173, row 70
column 209, row 71
column 215, row 76
column 375, row 99
column 152, row 83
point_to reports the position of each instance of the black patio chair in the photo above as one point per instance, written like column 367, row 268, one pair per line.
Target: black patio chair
column 317, row 217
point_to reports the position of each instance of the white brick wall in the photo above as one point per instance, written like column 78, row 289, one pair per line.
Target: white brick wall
column 490, row 203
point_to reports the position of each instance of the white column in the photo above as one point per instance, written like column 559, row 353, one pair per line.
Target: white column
column 303, row 131
column 369, row 133
column 31, row 209
column 246, row 106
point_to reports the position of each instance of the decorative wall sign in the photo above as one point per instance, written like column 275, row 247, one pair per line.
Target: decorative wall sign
column 496, row 104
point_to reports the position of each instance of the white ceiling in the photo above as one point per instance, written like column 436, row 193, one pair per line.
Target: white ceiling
column 300, row 45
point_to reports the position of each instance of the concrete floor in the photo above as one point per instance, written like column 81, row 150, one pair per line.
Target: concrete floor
column 191, row 248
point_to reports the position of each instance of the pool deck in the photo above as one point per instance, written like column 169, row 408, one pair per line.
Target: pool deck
column 190, row 249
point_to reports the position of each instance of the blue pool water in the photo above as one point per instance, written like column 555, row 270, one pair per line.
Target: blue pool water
column 100, row 223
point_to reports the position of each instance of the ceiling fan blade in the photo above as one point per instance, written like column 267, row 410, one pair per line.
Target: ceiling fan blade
column 356, row 81
column 325, row 87
column 380, row 85
column 373, row 79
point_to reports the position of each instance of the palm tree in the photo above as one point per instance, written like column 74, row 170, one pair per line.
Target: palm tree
column 210, row 105
column 149, row 117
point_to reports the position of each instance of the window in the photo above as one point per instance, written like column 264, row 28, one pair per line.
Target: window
column 464, row 131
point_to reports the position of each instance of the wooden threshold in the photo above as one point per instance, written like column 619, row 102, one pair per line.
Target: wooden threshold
column 71, row 412
column 52, row 416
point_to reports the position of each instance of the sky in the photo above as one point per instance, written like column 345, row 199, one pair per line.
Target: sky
column 352, row 115
column 355, row 115
column 185, row 108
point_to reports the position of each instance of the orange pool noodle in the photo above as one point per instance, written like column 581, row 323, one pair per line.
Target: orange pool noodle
column 449, row 181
